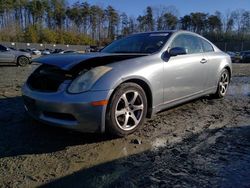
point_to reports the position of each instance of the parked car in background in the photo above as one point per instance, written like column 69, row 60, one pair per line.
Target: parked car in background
column 25, row 50
column 129, row 80
column 237, row 57
column 245, row 57
column 8, row 55
column 56, row 51
column 232, row 55
column 93, row 49
column 46, row 52
column 68, row 51
column 35, row 51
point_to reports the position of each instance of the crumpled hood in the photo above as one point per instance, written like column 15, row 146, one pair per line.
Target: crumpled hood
column 69, row 61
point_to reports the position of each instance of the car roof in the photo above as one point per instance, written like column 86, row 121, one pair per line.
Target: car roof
column 157, row 32
column 169, row 31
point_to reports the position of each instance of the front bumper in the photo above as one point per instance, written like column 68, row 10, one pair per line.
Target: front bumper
column 72, row 111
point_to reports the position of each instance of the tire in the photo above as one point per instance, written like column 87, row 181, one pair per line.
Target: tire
column 223, row 84
column 126, row 110
column 22, row 61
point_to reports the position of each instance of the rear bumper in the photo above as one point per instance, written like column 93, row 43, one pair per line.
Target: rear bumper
column 72, row 111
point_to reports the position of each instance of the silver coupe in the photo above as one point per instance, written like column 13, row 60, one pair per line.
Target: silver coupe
column 19, row 58
column 130, row 80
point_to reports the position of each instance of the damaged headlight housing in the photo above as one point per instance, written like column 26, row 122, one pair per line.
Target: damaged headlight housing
column 86, row 80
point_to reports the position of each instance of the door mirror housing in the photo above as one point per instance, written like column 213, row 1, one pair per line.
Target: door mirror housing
column 177, row 51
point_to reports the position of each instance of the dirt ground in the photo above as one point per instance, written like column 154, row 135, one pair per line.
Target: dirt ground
column 204, row 143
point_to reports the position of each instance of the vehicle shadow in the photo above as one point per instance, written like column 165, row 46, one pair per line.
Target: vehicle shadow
column 8, row 65
column 19, row 134
column 212, row 158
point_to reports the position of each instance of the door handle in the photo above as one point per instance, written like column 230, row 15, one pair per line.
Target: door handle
column 203, row 60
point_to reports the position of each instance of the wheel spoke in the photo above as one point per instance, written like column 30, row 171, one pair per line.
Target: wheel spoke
column 224, row 77
column 134, row 118
column 134, row 98
column 125, row 121
column 225, row 83
column 220, row 88
column 124, row 98
column 223, row 89
column 120, row 112
column 137, row 107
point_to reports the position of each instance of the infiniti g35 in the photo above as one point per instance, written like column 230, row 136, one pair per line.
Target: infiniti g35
column 130, row 80
column 19, row 58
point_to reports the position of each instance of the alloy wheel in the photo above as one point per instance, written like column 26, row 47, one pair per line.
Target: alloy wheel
column 22, row 61
column 129, row 110
column 223, row 84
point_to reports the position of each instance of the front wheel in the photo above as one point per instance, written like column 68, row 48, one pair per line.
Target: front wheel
column 223, row 84
column 22, row 61
column 127, row 109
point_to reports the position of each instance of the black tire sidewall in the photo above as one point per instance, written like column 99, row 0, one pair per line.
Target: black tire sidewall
column 111, row 124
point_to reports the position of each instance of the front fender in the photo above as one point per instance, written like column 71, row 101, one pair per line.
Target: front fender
column 148, row 72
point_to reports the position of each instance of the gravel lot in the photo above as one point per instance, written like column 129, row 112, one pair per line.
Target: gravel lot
column 204, row 143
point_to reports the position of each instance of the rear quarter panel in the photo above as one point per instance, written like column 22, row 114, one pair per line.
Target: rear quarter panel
column 217, row 62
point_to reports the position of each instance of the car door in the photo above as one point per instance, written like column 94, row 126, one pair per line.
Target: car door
column 6, row 55
column 184, row 75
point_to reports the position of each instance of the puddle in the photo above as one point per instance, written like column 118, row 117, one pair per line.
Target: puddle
column 240, row 86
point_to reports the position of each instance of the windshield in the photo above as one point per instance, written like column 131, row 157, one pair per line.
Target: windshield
column 140, row 43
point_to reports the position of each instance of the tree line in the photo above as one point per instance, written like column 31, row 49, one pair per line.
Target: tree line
column 59, row 21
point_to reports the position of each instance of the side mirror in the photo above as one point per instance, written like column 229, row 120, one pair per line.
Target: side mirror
column 177, row 51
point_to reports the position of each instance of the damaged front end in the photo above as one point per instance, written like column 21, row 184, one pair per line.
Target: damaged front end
column 48, row 78
column 80, row 73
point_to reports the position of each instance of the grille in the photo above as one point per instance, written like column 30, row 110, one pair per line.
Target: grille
column 46, row 78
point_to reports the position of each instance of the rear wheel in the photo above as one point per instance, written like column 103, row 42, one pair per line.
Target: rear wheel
column 22, row 61
column 223, row 84
column 127, row 109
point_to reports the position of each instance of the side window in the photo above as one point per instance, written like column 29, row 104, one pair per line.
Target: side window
column 2, row 48
column 207, row 47
column 191, row 43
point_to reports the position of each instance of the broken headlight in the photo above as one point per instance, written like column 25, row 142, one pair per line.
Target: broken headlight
column 87, row 79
